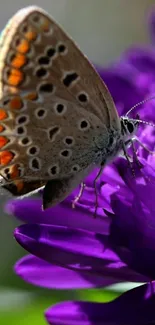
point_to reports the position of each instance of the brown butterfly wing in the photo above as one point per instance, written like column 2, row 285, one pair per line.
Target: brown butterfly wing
column 35, row 50
column 39, row 62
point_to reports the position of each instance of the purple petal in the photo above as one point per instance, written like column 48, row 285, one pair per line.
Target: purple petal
column 121, row 84
column 29, row 210
column 64, row 245
column 133, row 224
column 147, row 137
column 38, row 272
column 132, row 308
column 143, row 59
column 142, row 184
column 113, row 178
column 79, row 250
column 82, row 216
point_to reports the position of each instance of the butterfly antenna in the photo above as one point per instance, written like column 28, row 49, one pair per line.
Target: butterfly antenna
column 138, row 104
column 144, row 122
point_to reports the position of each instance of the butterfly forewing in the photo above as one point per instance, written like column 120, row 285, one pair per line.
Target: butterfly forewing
column 34, row 41
column 55, row 109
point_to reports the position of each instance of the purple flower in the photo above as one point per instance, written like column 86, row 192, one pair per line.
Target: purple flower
column 71, row 249
column 133, row 307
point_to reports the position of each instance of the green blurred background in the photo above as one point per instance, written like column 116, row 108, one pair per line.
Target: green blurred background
column 103, row 29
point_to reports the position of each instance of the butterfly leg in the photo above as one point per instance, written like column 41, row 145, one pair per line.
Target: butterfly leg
column 77, row 198
column 135, row 153
column 131, row 142
column 128, row 158
column 95, row 187
column 56, row 190
column 143, row 146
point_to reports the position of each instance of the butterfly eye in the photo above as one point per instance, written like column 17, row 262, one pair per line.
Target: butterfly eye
column 130, row 127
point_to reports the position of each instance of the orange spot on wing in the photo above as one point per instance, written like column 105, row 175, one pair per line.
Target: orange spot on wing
column 6, row 157
column 18, row 60
column 19, row 185
column 3, row 141
column 23, row 46
column 45, row 26
column 14, row 173
column 31, row 96
column 15, row 77
column 16, row 103
column 1, row 128
column 3, row 114
column 31, row 35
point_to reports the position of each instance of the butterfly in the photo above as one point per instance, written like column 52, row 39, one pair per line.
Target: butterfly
column 57, row 117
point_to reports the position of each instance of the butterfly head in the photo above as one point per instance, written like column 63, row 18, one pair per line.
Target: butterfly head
column 128, row 127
